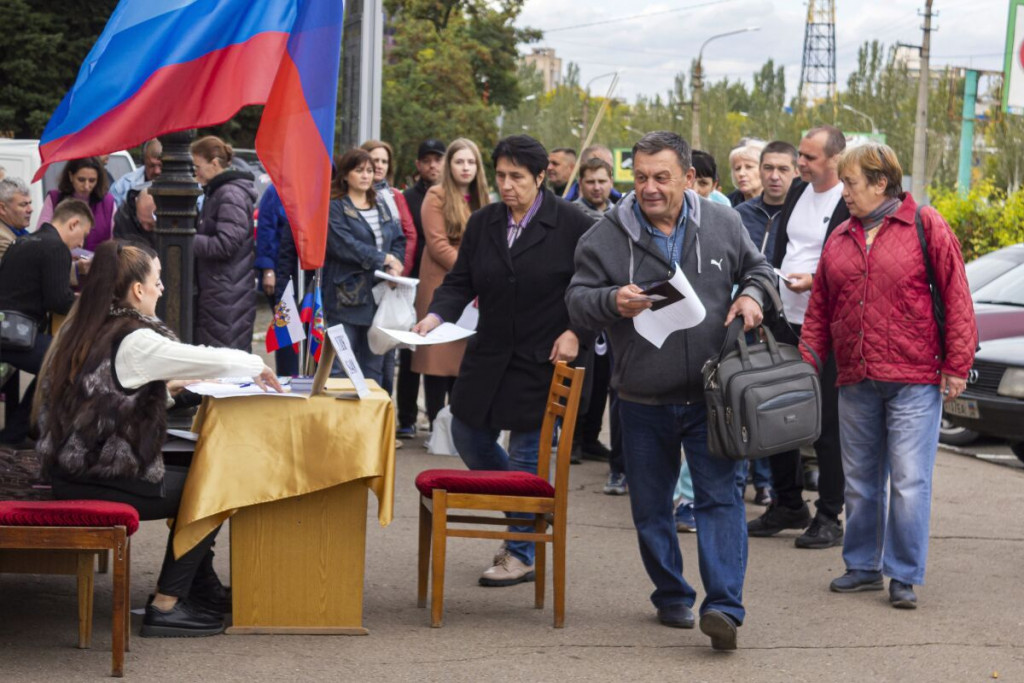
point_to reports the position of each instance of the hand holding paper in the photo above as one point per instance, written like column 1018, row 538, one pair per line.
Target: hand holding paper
column 437, row 334
column 679, row 311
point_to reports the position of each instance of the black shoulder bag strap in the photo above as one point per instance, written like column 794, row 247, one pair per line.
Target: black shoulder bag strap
column 938, row 306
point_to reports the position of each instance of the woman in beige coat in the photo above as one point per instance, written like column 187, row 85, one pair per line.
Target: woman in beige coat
column 446, row 209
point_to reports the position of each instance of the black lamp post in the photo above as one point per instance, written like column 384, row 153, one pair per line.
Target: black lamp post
column 175, row 191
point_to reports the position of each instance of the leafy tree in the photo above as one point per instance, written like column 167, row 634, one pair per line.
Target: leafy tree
column 451, row 68
column 44, row 45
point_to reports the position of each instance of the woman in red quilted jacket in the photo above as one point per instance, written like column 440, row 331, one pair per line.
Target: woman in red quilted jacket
column 871, row 305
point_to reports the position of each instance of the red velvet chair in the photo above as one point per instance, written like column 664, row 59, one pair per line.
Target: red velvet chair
column 83, row 527
column 444, row 490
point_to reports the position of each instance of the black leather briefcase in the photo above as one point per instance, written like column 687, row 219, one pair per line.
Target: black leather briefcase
column 762, row 398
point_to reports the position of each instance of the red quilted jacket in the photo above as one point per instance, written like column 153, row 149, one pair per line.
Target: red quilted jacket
column 874, row 309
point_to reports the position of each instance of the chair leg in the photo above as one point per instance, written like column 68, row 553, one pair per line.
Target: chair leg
column 540, row 563
column 85, row 590
column 440, row 542
column 558, row 569
column 128, row 594
column 120, row 609
column 104, row 561
column 423, row 569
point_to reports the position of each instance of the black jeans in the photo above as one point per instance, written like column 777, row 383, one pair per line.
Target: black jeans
column 436, row 390
column 408, row 390
column 591, row 421
column 787, row 472
column 29, row 360
column 175, row 575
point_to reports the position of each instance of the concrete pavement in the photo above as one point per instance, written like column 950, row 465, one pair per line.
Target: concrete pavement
column 969, row 626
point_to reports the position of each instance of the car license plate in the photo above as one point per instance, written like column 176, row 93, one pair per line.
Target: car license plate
column 963, row 407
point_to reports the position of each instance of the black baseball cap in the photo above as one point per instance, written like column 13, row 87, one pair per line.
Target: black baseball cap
column 431, row 146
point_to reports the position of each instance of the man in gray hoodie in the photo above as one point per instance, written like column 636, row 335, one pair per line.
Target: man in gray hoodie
column 637, row 244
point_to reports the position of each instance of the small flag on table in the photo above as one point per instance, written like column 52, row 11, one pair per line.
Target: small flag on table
column 286, row 327
column 313, row 312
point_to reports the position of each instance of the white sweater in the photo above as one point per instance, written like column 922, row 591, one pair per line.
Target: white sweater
column 147, row 356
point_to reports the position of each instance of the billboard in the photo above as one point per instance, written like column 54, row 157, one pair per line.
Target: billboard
column 1013, row 71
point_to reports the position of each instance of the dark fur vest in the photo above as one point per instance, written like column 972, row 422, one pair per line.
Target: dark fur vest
column 99, row 430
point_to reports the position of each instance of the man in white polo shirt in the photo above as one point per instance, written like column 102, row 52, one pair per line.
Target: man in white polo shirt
column 813, row 209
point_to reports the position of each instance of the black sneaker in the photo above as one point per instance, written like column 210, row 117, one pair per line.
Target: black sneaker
column 406, row 432
column 776, row 519
column 576, row 454
column 824, row 532
column 762, row 495
column 595, row 450
column 720, row 627
column 212, row 597
column 181, row 621
column 901, row 595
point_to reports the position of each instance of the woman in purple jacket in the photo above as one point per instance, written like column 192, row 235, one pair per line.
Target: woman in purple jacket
column 84, row 179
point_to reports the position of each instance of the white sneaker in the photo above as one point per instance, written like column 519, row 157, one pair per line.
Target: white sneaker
column 507, row 571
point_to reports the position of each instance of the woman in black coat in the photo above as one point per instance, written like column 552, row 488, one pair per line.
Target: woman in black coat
column 517, row 258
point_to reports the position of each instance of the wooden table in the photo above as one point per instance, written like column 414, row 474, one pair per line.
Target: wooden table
column 293, row 476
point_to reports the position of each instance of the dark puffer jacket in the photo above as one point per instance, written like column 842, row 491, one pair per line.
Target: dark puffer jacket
column 226, row 303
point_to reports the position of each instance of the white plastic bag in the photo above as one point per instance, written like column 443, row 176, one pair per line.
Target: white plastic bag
column 440, row 441
column 395, row 311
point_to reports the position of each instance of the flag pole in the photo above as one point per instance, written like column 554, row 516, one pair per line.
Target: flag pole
column 309, row 364
column 300, row 287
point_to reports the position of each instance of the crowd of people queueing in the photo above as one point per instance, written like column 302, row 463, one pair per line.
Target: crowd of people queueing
column 556, row 270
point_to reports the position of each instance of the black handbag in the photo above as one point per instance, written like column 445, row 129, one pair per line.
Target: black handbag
column 761, row 398
column 17, row 331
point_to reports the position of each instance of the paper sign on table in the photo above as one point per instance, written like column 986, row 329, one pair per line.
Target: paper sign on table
column 656, row 326
column 347, row 359
column 442, row 334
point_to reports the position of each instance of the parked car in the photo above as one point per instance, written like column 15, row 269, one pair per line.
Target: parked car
column 997, row 282
column 993, row 403
column 21, row 159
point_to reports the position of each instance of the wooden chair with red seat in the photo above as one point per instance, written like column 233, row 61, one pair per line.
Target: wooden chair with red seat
column 82, row 527
column 505, row 491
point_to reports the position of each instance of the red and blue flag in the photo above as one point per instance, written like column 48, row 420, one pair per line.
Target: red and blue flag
column 166, row 65
column 313, row 312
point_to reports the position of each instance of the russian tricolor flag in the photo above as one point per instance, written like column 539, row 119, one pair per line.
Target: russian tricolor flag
column 166, row 65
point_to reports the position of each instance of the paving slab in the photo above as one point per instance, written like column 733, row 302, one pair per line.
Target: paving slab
column 969, row 626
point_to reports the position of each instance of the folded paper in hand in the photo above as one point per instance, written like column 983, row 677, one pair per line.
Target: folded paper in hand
column 656, row 325
column 442, row 334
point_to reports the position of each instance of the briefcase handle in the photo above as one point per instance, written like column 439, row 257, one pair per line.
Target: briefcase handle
column 734, row 336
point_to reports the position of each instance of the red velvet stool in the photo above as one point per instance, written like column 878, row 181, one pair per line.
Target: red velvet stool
column 83, row 527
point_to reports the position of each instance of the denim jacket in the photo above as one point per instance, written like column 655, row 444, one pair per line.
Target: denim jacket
column 352, row 256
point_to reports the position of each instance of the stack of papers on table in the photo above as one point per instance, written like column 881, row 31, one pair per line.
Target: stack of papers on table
column 226, row 389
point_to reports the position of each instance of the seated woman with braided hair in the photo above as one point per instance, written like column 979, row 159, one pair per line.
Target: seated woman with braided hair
column 105, row 388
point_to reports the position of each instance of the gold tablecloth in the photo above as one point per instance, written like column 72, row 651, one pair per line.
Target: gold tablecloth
column 257, row 449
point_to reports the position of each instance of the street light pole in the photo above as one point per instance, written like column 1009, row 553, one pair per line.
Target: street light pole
column 586, row 102
column 871, row 121
column 698, row 82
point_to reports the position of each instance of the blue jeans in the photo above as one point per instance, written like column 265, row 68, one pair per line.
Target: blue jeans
column 651, row 436
column 889, row 433
column 480, row 450
column 760, row 471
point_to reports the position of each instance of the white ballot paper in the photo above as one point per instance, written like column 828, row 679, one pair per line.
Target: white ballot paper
column 410, row 281
column 442, row 334
column 347, row 359
column 225, row 389
column 656, row 326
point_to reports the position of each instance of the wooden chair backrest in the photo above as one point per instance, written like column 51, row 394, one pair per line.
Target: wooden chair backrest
column 563, row 402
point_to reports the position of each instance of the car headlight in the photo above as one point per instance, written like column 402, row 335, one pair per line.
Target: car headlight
column 1012, row 383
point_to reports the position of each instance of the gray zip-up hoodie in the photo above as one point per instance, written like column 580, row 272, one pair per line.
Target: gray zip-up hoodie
column 717, row 256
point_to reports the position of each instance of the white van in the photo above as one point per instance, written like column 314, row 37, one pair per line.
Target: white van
column 20, row 159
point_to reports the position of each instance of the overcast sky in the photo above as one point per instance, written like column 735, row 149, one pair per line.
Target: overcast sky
column 652, row 41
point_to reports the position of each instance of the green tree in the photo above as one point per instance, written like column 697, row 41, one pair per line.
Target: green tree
column 44, row 45
column 450, row 70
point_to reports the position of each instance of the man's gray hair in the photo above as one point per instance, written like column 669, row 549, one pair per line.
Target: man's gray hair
column 593, row 150
column 660, row 140
column 152, row 148
column 11, row 186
